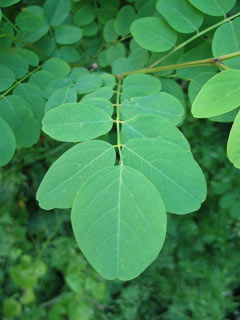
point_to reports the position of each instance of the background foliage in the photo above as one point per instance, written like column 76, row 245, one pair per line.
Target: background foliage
column 43, row 273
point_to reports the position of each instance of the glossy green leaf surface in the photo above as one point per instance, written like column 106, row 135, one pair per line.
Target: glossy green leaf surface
column 227, row 40
column 233, row 146
column 180, row 14
column 172, row 169
column 151, row 126
column 64, row 178
column 161, row 104
column 75, row 122
column 213, row 7
column 219, row 95
column 153, row 34
column 56, row 11
column 7, row 78
column 16, row 112
column 121, row 234
column 7, row 142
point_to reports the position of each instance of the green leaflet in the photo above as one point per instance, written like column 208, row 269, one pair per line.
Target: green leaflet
column 153, row 34
column 88, row 82
column 57, row 67
column 30, row 21
column 7, row 142
column 227, row 40
column 56, row 11
column 219, row 95
column 197, row 83
column 125, row 17
column 8, row 3
column 33, row 95
column 7, row 78
column 171, row 169
column 61, row 96
column 17, row 113
column 101, row 103
column 180, row 15
column 109, row 32
column 64, row 178
column 42, row 78
column 213, row 7
column 233, row 146
column 15, row 62
column 84, row 16
column 75, row 122
column 121, row 234
column 161, row 104
column 66, row 34
column 114, row 52
column 138, row 85
column 149, row 126
column 31, row 57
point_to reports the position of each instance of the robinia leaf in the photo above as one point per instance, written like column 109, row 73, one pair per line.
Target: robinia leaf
column 101, row 103
column 64, row 178
column 88, row 82
column 75, row 122
column 56, row 11
column 138, row 85
column 66, row 34
column 160, row 104
column 7, row 78
column 15, row 62
column 153, row 34
column 61, row 96
column 8, row 3
column 233, row 146
column 58, row 67
column 149, row 126
column 119, row 222
column 15, row 111
column 84, row 15
column 180, row 15
column 172, row 169
column 227, row 40
column 213, row 7
column 219, row 95
column 125, row 17
column 7, row 142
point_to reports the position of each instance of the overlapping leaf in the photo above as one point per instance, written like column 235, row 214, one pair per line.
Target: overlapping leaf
column 75, row 122
column 171, row 169
column 64, row 178
column 119, row 222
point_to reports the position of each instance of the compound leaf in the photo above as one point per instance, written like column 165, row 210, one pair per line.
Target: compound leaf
column 7, row 142
column 153, row 34
column 171, row 169
column 75, row 122
column 119, row 222
column 61, row 96
column 64, row 178
column 219, row 95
